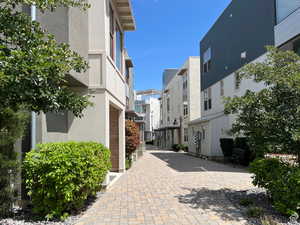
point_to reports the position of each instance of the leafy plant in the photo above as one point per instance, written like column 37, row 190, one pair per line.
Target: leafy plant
column 281, row 180
column 11, row 128
column 61, row 176
column 132, row 137
column 246, row 202
column 255, row 212
column 226, row 146
column 268, row 221
column 270, row 118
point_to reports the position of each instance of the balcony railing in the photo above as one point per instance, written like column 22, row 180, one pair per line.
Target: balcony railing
column 284, row 8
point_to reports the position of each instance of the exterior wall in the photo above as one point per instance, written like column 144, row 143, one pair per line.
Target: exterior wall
column 213, row 122
column 88, row 34
column 288, row 28
column 233, row 33
column 173, row 120
column 168, row 76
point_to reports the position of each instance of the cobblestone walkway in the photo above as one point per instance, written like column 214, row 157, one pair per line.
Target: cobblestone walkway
column 166, row 188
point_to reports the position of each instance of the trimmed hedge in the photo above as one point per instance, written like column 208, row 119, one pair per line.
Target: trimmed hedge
column 227, row 146
column 61, row 176
column 281, row 180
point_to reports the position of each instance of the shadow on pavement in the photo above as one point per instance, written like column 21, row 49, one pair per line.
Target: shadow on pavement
column 213, row 201
column 182, row 162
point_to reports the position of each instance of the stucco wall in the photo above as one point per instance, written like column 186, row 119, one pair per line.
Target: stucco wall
column 288, row 28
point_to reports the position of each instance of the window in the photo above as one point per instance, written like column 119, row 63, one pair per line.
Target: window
column 168, row 119
column 168, row 105
column 207, row 60
column 222, row 88
column 207, row 99
column 203, row 134
column 297, row 47
column 119, row 47
column 186, row 135
column 237, row 81
column 185, row 110
column 112, row 33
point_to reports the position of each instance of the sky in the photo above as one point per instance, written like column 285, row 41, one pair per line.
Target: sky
column 168, row 32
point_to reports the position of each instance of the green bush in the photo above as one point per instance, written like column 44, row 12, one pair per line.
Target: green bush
column 242, row 153
column 281, row 180
column 226, row 146
column 176, row 147
column 12, row 126
column 255, row 212
column 61, row 176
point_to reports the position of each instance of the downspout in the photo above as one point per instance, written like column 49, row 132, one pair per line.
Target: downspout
column 33, row 114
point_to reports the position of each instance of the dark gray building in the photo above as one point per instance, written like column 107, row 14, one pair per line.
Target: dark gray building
column 238, row 36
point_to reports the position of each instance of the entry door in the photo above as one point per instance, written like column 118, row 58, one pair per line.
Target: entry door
column 114, row 137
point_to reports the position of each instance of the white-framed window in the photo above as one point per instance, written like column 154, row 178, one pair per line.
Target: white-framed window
column 168, row 104
column 111, row 32
column 222, row 88
column 119, row 47
column 207, row 60
column 237, row 81
column 207, row 99
column 186, row 134
column 185, row 110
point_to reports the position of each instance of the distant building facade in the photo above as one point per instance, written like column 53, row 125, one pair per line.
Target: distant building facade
column 147, row 106
column 179, row 104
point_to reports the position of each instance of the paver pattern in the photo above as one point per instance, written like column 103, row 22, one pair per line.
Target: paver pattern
column 165, row 188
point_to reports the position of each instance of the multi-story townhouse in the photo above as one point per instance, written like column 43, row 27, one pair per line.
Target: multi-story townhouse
column 148, row 107
column 98, row 36
column 179, row 103
column 238, row 37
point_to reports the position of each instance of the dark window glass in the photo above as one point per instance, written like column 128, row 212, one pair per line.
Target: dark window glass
column 119, row 47
column 111, row 32
column 205, row 105
column 297, row 47
column 209, row 103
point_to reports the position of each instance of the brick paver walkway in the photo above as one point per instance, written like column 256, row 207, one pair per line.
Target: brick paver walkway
column 166, row 188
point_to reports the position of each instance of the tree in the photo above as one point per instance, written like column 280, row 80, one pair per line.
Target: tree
column 33, row 69
column 33, row 65
column 132, row 137
column 270, row 118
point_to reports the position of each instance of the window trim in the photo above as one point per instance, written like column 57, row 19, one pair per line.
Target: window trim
column 112, row 32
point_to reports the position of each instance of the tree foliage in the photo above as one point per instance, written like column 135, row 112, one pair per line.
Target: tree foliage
column 33, row 71
column 33, row 66
column 132, row 137
column 270, row 118
column 11, row 128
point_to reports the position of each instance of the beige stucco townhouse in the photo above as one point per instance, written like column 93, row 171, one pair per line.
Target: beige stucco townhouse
column 97, row 35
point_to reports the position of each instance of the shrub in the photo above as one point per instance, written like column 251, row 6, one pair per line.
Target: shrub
column 12, row 126
column 61, row 176
column 242, row 153
column 246, row 202
column 255, row 212
column 281, row 180
column 175, row 147
column 132, row 137
column 226, row 146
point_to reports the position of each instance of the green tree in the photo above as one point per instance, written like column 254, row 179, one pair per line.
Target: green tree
column 33, row 69
column 270, row 118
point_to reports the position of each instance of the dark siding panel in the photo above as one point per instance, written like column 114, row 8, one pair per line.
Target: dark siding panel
column 245, row 25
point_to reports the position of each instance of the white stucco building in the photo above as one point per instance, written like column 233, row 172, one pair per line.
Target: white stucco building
column 273, row 25
column 179, row 103
column 147, row 105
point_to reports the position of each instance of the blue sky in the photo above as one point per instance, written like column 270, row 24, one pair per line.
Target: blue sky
column 168, row 31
